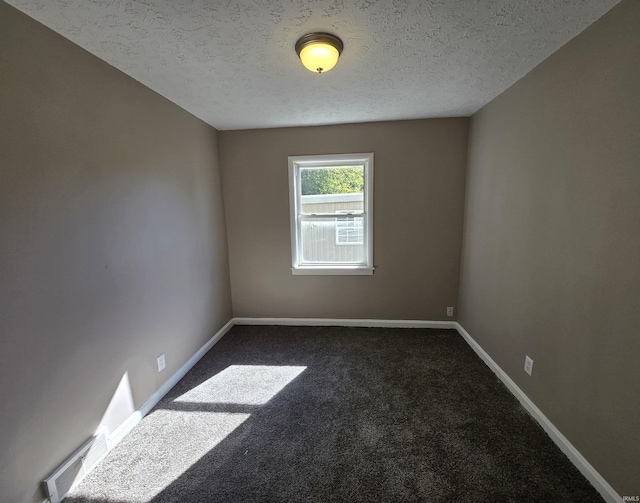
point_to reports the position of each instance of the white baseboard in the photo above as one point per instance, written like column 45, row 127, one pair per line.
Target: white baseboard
column 121, row 431
column 602, row 486
column 333, row 322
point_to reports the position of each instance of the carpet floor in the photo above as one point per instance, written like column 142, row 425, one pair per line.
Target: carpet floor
column 324, row 414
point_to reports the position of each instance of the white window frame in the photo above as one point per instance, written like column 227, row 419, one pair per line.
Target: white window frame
column 295, row 206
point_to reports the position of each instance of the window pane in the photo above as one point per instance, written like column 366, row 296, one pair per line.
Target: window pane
column 332, row 190
column 320, row 241
column 349, row 230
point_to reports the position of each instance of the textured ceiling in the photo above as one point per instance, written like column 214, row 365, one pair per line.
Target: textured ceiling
column 233, row 64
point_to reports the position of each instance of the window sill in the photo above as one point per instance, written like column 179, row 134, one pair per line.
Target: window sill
column 333, row 270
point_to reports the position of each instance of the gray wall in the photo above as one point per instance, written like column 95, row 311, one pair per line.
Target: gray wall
column 551, row 262
column 112, row 246
column 418, row 207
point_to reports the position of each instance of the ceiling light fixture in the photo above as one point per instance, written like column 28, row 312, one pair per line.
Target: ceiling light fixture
column 319, row 52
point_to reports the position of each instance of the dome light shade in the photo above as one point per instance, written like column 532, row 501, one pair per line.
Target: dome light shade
column 319, row 52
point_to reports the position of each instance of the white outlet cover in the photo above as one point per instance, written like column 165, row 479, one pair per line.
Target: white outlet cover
column 528, row 365
column 450, row 311
column 161, row 363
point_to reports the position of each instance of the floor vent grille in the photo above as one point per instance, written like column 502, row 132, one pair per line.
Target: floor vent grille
column 76, row 467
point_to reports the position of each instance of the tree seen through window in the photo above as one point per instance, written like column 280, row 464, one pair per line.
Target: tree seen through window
column 337, row 180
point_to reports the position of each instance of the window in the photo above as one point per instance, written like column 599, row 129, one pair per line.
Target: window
column 331, row 200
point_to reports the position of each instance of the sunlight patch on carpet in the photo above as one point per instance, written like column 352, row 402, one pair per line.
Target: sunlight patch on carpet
column 243, row 384
column 181, row 440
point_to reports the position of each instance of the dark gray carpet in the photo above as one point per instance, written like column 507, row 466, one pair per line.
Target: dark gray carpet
column 355, row 414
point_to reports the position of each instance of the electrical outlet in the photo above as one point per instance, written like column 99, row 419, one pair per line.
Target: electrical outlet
column 528, row 365
column 449, row 311
column 161, row 363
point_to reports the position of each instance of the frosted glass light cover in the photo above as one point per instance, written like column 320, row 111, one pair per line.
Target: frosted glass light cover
column 319, row 57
